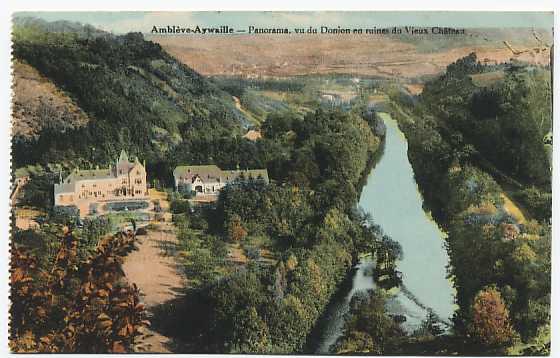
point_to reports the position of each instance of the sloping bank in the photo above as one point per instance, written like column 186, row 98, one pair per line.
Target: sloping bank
column 496, row 257
column 391, row 197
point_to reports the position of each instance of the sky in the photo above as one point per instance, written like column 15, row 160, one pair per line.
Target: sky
column 122, row 22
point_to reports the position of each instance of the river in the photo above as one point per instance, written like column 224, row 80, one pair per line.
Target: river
column 391, row 196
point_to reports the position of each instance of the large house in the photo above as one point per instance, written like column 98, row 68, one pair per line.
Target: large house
column 209, row 179
column 86, row 189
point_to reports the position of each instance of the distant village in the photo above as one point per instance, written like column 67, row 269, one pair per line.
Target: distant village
column 94, row 191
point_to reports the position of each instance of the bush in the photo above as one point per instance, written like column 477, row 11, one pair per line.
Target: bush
column 179, row 206
column 68, row 215
column 538, row 203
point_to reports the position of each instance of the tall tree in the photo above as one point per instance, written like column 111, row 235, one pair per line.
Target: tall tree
column 490, row 319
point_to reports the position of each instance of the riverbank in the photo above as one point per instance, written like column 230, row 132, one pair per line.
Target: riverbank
column 391, row 197
column 486, row 229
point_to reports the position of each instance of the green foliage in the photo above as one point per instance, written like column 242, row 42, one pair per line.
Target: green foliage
column 430, row 326
column 93, row 229
column 44, row 242
column 367, row 327
column 179, row 206
column 499, row 127
column 141, row 99
column 309, row 222
column 38, row 192
column 282, row 212
column 538, row 202
column 290, row 310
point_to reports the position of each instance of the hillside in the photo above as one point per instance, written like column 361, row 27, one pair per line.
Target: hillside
column 135, row 95
column 384, row 56
column 476, row 143
column 39, row 104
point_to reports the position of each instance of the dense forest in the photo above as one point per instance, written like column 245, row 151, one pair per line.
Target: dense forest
column 476, row 138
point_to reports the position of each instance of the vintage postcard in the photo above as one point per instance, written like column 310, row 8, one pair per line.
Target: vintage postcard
column 372, row 183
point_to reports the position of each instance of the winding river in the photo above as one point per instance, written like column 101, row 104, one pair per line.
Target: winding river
column 391, row 196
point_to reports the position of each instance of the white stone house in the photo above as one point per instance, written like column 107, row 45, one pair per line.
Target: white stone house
column 210, row 179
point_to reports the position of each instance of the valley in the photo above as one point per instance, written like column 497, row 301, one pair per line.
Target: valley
column 390, row 169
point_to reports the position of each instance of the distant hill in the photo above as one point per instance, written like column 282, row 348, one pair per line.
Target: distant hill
column 402, row 56
column 40, row 26
column 114, row 92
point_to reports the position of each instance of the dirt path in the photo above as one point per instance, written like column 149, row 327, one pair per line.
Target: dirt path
column 154, row 269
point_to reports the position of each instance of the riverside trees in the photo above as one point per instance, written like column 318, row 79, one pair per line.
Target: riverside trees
column 308, row 215
column 467, row 143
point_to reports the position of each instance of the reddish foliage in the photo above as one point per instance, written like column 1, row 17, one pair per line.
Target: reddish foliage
column 84, row 307
column 490, row 321
column 235, row 230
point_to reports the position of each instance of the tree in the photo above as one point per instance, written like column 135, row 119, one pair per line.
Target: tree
column 251, row 333
column 490, row 319
column 236, row 232
column 368, row 327
column 430, row 325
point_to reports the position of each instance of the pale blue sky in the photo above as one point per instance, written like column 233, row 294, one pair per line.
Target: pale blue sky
column 121, row 22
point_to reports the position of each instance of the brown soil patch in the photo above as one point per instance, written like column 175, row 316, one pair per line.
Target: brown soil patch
column 25, row 218
column 236, row 254
column 414, row 89
column 38, row 103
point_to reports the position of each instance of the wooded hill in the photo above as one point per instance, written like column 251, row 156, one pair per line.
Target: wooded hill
column 136, row 97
